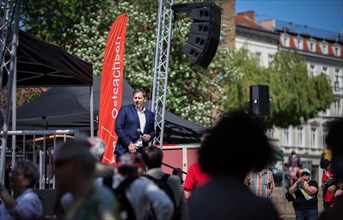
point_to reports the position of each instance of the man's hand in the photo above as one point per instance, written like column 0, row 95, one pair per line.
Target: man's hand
column 300, row 181
column 146, row 137
column 132, row 148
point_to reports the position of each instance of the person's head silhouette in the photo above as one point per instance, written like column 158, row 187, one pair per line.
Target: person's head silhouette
column 334, row 141
column 236, row 137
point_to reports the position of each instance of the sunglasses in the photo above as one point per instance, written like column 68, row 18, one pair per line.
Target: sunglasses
column 305, row 174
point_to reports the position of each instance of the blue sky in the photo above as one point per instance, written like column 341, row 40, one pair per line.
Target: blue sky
column 322, row 14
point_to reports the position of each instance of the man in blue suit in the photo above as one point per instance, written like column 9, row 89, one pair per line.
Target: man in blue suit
column 134, row 125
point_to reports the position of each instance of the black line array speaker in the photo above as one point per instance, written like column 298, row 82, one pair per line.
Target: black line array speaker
column 259, row 100
column 204, row 35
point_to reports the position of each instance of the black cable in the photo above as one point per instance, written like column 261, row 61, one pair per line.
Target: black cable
column 170, row 166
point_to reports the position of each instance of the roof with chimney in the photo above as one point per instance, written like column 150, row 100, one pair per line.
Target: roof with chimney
column 247, row 19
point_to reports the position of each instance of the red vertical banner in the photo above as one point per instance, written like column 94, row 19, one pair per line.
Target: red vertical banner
column 111, row 86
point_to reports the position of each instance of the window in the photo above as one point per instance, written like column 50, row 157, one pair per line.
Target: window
column 336, row 51
column 285, row 40
column 336, row 84
column 299, row 43
column 258, row 56
column 286, row 136
column 338, row 108
column 313, row 137
column 312, row 45
column 270, row 59
column 270, row 132
column 324, row 47
column 312, row 69
column 324, row 69
column 327, row 112
column 300, row 136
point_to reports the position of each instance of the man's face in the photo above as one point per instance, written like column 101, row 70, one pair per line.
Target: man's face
column 305, row 176
column 138, row 100
column 18, row 180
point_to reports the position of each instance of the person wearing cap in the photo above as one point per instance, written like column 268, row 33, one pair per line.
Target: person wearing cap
column 304, row 192
column 134, row 126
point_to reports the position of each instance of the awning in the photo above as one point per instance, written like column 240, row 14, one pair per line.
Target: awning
column 41, row 64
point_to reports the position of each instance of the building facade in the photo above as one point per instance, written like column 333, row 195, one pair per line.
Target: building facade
column 323, row 54
column 258, row 40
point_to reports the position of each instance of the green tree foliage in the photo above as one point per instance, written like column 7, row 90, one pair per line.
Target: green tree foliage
column 295, row 96
column 24, row 95
column 82, row 28
column 51, row 20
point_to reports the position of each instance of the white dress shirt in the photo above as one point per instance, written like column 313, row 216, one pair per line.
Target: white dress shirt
column 142, row 122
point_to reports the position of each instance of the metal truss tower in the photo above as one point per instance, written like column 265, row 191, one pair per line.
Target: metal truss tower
column 162, row 51
column 9, row 25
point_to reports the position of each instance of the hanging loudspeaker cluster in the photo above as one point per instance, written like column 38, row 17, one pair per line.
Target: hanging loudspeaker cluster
column 204, row 34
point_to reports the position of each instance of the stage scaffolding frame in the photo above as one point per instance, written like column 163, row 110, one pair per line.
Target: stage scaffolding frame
column 10, row 15
column 161, row 67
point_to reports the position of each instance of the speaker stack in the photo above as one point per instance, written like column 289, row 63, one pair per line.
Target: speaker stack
column 204, row 34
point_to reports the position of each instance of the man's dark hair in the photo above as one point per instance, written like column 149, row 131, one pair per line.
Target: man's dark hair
column 79, row 150
column 30, row 171
column 152, row 157
column 129, row 164
column 137, row 90
column 235, row 145
column 324, row 163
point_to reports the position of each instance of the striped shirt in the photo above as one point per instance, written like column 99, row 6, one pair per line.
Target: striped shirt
column 260, row 182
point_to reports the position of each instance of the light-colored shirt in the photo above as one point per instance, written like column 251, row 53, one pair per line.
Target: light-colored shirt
column 142, row 122
column 28, row 206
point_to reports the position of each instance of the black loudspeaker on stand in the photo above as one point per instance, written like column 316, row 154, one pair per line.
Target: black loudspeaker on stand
column 259, row 104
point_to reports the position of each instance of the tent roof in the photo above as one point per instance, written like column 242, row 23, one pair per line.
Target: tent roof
column 68, row 108
column 42, row 64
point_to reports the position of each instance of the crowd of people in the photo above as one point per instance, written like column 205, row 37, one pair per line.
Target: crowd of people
column 215, row 187
column 303, row 192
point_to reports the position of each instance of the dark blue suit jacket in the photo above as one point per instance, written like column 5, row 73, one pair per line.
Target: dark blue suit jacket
column 126, row 126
